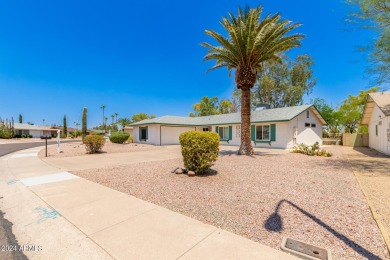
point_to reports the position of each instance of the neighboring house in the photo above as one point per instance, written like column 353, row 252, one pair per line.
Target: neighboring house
column 376, row 116
column 278, row 128
column 128, row 129
column 34, row 130
column 69, row 129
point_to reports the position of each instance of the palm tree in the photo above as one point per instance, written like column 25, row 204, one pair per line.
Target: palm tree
column 251, row 42
column 123, row 122
column 105, row 122
column 104, row 125
column 116, row 117
column 112, row 119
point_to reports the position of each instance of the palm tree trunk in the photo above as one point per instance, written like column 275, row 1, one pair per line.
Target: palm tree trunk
column 246, row 144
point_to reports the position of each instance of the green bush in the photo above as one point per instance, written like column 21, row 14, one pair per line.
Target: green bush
column 199, row 149
column 311, row 150
column 130, row 139
column 119, row 137
column 94, row 143
column 62, row 135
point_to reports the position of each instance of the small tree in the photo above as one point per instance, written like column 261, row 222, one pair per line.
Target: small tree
column 65, row 127
column 351, row 110
column 20, row 118
column 84, row 123
column 123, row 122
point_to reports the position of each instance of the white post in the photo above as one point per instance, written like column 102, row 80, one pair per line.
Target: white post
column 58, row 141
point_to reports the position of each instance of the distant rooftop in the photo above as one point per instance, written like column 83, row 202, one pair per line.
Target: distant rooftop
column 381, row 99
column 266, row 115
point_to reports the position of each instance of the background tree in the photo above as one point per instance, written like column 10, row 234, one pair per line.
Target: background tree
column 104, row 118
column 226, row 106
column 123, row 122
column 116, row 117
column 251, row 42
column 375, row 15
column 206, row 107
column 351, row 110
column 141, row 116
column 105, row 123
column 112, row 118
column 284, row 84
column 84, row 123
column 20, row 118
column 65, row 126
column 329, row 114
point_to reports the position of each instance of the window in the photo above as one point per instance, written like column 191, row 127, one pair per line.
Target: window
column 307, row 114
column 307, row 124
column 206, row 129
column 223, row 133
column 313, row 125
column 262, row 132
column 143, row 134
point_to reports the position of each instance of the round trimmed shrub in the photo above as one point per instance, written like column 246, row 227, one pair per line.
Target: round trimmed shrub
column 94, row 143
column 199, row 149
column 119, row 137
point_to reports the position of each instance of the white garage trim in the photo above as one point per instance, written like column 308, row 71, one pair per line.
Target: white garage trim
column 170, row 134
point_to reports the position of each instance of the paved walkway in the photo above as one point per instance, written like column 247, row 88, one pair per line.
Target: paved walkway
column 65, row 216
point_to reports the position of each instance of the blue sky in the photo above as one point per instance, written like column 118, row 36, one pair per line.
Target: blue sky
column 145, row 56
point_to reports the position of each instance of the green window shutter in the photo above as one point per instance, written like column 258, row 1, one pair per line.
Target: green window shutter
column 146, row 133
column 139, row 133
column 273, row 132
column 253, row 132
column 230, row 132
column 216, row 129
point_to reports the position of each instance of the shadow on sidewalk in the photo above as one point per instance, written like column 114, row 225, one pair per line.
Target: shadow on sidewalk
column 7, row 238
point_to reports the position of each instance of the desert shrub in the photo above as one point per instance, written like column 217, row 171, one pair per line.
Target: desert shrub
column 7, row 130
column 94, row 143
column 62, row 135
column 29, row 136
column 24, row 136
column 130, row 139
column 199, row 149
column 119, row 137
column 311, row 150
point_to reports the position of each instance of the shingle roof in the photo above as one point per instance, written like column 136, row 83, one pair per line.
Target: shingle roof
column 22, row 126
column 382, row 99
column 267, row 115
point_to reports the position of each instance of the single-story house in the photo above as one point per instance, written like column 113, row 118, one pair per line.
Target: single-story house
column 35, row 131
column 128, row 129
column 278, row 127
column 376, row 116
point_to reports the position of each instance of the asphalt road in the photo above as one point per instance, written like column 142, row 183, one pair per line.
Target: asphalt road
column 13, row 147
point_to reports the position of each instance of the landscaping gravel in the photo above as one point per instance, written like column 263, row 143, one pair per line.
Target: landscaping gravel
column 272, row 195
column 78, row 148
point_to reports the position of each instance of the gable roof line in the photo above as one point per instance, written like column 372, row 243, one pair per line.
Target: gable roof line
column 269, row 115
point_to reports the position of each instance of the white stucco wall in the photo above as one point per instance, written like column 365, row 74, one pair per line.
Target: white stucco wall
column 303, row 134
column 284, row 133
column 379, row 142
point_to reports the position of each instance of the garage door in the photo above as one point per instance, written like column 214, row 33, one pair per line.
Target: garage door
column 170, row 134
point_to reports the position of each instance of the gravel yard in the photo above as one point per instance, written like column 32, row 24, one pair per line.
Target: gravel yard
column 272, row 195
column 77, row 149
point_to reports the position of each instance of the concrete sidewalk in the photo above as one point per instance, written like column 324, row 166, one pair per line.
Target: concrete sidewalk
column 70, row 217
